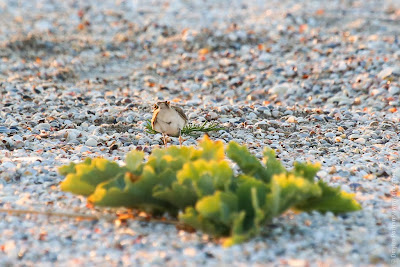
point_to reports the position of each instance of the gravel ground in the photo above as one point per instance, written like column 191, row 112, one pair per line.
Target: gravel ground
column 316, row 81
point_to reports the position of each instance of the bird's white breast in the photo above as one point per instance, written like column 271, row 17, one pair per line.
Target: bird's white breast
column 169, row 122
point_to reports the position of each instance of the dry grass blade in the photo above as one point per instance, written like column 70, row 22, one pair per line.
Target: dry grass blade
column 80, row 216
column 50, row 213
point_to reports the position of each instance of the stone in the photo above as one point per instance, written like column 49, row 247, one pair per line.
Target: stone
column 43, row 126
column 91, row 142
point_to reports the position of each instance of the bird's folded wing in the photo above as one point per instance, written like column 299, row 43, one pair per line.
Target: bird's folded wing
column 154, row 119
column 180, row 112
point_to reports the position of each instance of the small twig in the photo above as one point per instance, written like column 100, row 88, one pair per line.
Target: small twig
column 51, row 213
column 84, row 216
column 152, row 220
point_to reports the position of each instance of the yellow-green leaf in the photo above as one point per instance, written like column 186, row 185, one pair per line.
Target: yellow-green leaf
column 134, row 161
column 89, row 174
column 332, row 199
column 210, row 150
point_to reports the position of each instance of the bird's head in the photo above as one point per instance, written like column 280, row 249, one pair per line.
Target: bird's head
column 162, row 105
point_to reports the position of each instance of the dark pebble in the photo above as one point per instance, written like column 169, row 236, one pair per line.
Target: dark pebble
column 209, row 254
column 130, row 106
column 114, row 147
column 332, row 45
column 354, row 186
column 27, row 98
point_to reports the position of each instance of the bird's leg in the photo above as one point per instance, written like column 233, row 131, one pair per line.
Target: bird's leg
column 165, row 139
column 180, row 138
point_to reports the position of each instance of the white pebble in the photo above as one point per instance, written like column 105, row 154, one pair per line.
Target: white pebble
column 291, row 119
column 43, row 126
column 18, row 138
column 91, row 142
column 330, row 135
column 360, row 141
column 252, row 116
column 394, row 90
column 275, row 113
column 8, row 165
column 213, row 115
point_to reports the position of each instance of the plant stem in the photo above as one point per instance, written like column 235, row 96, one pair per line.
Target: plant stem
column 84, row 216
column 50, row 213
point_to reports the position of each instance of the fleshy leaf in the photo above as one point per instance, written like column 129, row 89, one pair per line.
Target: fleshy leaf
column 210, row 150
column 238, row 234
column 172, row 157
column 213, row 214
column 240, row 212
column 218, row 207
column 332, row 199
column 273, row 166
column 306, row 170
column 247, row 224
column 206, row 177
column 131, row 191
column 252, row 195
column 247, row 163
column 192, row 218
column 67, row 169
column 195, row 180
column 89, row 174
column 288, row 190
column 134, row 161
column 178, row 195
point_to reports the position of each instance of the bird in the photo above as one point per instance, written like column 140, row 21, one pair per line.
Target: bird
column 168, row 120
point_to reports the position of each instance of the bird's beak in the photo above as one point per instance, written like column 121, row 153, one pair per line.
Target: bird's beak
column 155, row 106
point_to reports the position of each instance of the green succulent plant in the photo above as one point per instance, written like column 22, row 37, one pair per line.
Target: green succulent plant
column 198, row 186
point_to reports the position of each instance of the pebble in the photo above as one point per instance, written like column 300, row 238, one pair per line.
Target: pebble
column 267, row 113
column 330, row 135
column 84, row 149
column 252, row 116
column 91, row 142
column 354, row 136
column 275, row 113
column 279, row 89
column 360, row 141
column 18, row 138
column 7, row 165
column 385, row 72
column 394, row 90
column 43, row 126
column 292, row 119
column 213, row 115
column 4, row 129
column 262, row 124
